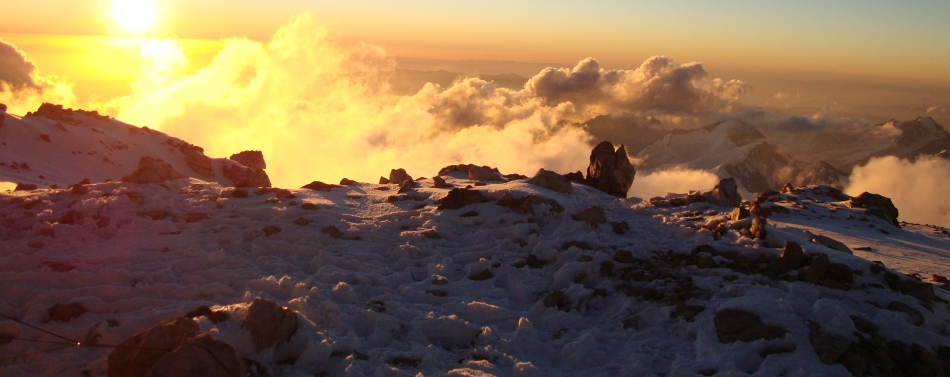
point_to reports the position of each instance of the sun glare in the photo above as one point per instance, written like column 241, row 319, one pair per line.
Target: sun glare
column 135, row 16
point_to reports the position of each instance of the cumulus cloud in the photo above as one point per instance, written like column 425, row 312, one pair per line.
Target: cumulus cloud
column 657, row 86
column 677, row 181
column 917, row 188
column 22, row 87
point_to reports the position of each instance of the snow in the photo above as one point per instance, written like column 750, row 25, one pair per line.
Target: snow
column 373, row 296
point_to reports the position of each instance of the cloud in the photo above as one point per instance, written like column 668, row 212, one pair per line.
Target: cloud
column 657, row 86
column 938, row 110
column 677, row 181
column 22, row 87
column 918, row 188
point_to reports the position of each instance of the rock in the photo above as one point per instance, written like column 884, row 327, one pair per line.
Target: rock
column 200, row 164
column 25, row 187
column 251, row 159
column 841, row 273
column 919, row 290
column 439, row 182
column 194, row 217
column 553, row 299
column 56, row 266
column 794, row 256
column 332, row 231
column 320, row 186
column 398, row 176
column 406, row 186
column 269, row 323
column 915, row 318
column 631, row 323
column 242, row 176
column 136, row 355
column 152, row 170
column 592, row 215
column 620, row 227
column 3, row 112
column 576, row 176
column 348, row 182
column 65, row 312
column 525, row 205
column 301, row 221
column 821, row 265
column 483, row 275
column 757, row 229
column 458, row 198
column 829, row 348
column 736, row 325
column 551, row 181
column 828, row 242
column 876, row 205
column 200, row 355
column 610, row 171
column 484, row 174
column 215, row 316
column 725, row 194
column 271, row 230
column 383, row 181
column 739, row 213
column 624, row 256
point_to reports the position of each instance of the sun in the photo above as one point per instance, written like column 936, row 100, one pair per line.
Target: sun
column 135, row 16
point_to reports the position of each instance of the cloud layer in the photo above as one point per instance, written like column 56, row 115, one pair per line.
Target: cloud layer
column 918, row 188
column 22, row 86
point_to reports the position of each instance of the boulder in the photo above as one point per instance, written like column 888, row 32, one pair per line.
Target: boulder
column 828, row 242
column 137, row 354
column 793, row 256
column 757, row 229
column 610, row 170
column 592, row 215
column 458, row 198
column 725, row 194
column 830, row 348
column 269, row 323
column 551, row 181
column 439, row 182
column 484, row 174
column 398, row 177
column 242, row 176
column 65, row 312
column 320, row 186
column 876, row 205
column 200, row 355
column 250, row 159
column 200, row 164
column 152, row 170
column 737, row 325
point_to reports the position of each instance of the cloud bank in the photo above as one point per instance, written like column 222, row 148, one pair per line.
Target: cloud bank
column 22, row 87
column 918, row 188
column 679, row 181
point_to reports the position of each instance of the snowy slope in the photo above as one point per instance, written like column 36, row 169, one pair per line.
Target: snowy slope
column 402, row 289
column 77, row 145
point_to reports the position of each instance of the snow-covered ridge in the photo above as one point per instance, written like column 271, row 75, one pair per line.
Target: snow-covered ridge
column 386, row 283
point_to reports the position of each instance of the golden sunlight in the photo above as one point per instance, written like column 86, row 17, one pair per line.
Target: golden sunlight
column 135, row 16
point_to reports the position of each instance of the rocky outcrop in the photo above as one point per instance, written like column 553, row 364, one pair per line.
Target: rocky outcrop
column 57, row 112
column 458, row 198
column 269, row 323
column 610, row 170
column 152, row 170
column 551, row 181
column 725, row 194
column 251, row 159
column 484, row 174
column 876, row 205
column 174, row 348
column 741, row 326
column 398, row 177
column 200, row 164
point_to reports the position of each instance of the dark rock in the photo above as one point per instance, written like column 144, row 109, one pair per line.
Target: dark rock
column 822, row 265
column 794, row 256
column 438, row 182
column 279, row 193
column 739, row 213
column 525, row 205
column 631, row 323
column 348, row 182
column 576, row 177
column 620, row 227
column 736, row 325
column 483, row 275
column 136, row 355
column 864, row 325
column 725, row 194
column 398, row 176
column 829, row 348
column 320, row 186
column 610, row 170
column 458, row 198
column 308, row 206
column 876, row 205
column 469, row 214
column 406, row 186
column 190, row 149
column 25, row 187
column 251, row 159
column 215, row 316
column 242, row 176
column 383, row 180
column 269, row 323
column 551, row 181
column 828, row 242
column 914, row 315
column 757, row 229
column 152, row 170
column 553, row 299
column 592, row 215
column 271, row 230
column 919, row 290
column 65, row 312
column 332, row 231
column 200, row 164
column 841, row 273
column 301, row 221
column 484, row 174
column 194, row 217
column 624, row 256
column 200, row 355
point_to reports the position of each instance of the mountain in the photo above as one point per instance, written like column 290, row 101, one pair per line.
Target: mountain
column 60, row 147
column 736, row 149
column 921, row 136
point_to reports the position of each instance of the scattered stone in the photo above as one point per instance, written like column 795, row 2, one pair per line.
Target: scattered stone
column 829, row 348
column 551, row 181
column 279, row 193
column 624, row 256
column 739, row 213
column 3, row 112
column 251, row 159
column 405, row 362
column 194, row 217
column 56, row 266
column 725, row 194
column 919, row 290
column 592, row 215
column 269, row 323
column 320, row 186
column 432, row 234
column 439, row 182
column 737, row 325
column 152, row 170
column 610, row 170
column 525, row 205
column 458, row 198
column 65, row 312
column 398, row 176
column 483, row 275
column 331, row 231
column 271, row 230
column 876, row 205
